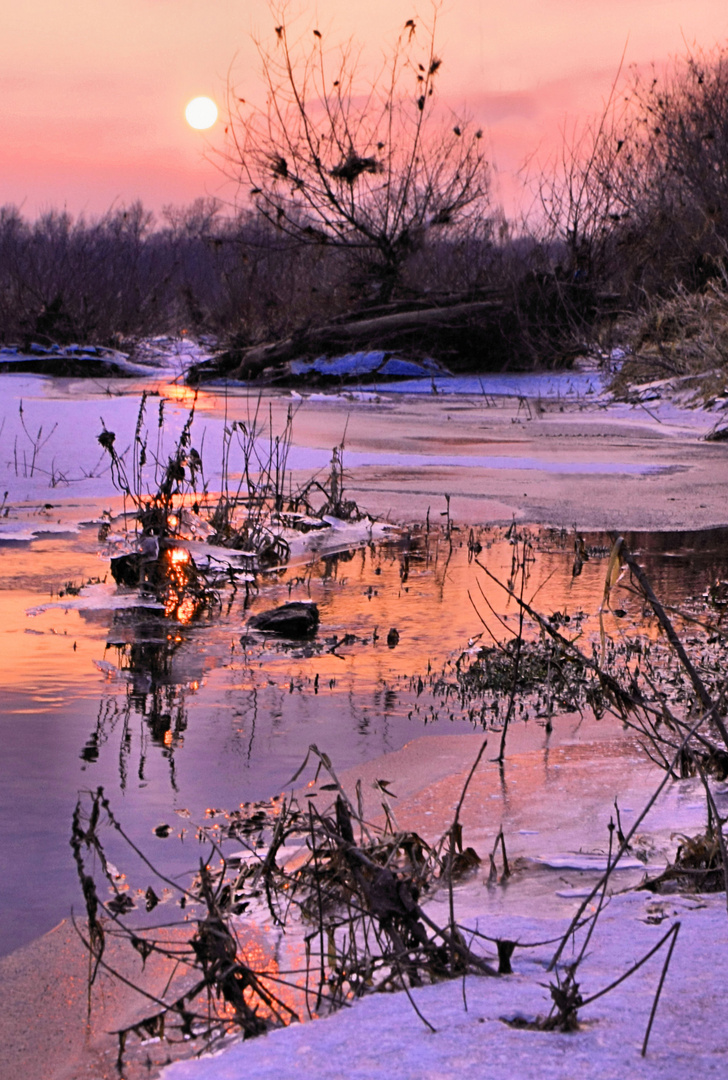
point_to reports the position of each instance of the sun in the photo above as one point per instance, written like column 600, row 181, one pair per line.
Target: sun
column 201, row 113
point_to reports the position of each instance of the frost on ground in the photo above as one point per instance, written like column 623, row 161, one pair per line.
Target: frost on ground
column 382, row 1035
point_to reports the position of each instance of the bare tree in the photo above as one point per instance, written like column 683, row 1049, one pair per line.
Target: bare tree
column 640, row 195
column 577, row 200
column 673, row 182
column 369, row 166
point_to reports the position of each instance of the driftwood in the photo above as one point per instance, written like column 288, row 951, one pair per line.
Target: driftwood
column 446, row 333
column 535, row 322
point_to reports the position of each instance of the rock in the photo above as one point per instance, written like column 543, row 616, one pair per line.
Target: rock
column 294, row 620
column 127, row 569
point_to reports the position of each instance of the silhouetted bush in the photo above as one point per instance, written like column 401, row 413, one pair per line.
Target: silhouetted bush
column 638, row 199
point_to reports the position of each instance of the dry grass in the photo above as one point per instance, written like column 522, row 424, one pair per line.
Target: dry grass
column 682, row 341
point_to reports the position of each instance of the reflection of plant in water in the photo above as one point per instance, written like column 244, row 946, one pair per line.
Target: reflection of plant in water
column 553, row 677
column 183, row 593
column 153, row 694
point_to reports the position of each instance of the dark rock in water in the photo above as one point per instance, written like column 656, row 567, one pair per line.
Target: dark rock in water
column 294, row 620
column 127, row 569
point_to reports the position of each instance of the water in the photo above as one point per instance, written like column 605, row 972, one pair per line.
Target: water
column 174, row 720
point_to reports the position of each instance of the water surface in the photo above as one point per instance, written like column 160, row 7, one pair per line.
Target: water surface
column 175, row 720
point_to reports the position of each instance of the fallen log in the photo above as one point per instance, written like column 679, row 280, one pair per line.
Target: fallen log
column 539, row 321
column 448, row 334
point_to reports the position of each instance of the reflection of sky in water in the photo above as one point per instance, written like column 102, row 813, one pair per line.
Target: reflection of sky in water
column 199, row 718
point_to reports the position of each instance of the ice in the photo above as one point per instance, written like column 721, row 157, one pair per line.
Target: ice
column 344, row 395
column 580, row 861
column 100, row 597
column 51, row 451
column 502, row 461
column 548, row 385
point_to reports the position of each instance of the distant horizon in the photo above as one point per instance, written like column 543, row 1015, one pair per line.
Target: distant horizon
column 94, row 98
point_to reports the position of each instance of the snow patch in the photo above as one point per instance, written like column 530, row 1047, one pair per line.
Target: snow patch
column 100, row 597
column 382, row 1036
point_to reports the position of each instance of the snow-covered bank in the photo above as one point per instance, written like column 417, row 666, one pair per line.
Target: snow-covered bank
column 156, row 357
column 382, row 1036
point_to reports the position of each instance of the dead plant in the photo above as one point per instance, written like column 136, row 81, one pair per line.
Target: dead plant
column 355, row 891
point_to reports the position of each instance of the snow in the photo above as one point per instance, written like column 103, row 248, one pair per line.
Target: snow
column 12, row 532
column 167, row 356
column 382, row 1036
column 373, row 362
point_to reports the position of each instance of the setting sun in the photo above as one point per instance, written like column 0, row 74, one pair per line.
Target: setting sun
column 201, row 113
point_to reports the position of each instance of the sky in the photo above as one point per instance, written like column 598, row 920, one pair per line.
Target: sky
column 93, row 95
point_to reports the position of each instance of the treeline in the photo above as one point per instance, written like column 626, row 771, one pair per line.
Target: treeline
column 124, row 274
column 634, row 212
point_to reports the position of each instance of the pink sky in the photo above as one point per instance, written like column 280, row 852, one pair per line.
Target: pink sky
column 93, row 94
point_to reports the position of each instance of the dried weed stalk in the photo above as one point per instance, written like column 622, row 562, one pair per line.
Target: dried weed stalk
column 252, row 517
column 354, row 890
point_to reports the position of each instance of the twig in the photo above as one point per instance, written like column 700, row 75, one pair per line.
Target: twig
column 623, row 847
column 718, row 827
column 675, row 930
column 698, row 685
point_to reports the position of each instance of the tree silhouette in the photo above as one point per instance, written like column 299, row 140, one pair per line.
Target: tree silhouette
column 371, row 166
